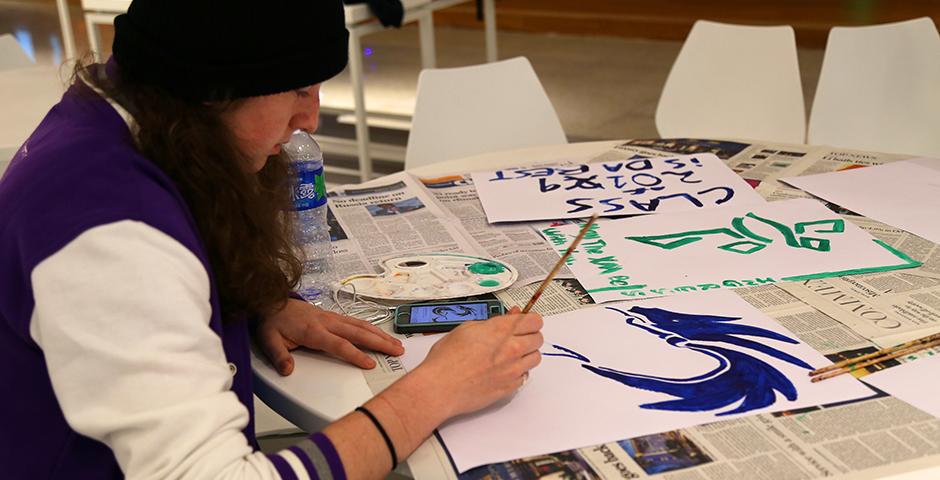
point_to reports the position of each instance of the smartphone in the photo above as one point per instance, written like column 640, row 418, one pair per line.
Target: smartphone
column 443, row 316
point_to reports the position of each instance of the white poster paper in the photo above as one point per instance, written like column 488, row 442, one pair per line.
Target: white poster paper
column 727, row 247
column 914, row 382
column 628, row 187
column 903, row 194
column 637, row 368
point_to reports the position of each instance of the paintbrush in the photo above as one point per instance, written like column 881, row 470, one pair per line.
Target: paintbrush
column 852, row 364
column 561, row 261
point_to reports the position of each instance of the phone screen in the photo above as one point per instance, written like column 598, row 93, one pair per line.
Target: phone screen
column 449, row 313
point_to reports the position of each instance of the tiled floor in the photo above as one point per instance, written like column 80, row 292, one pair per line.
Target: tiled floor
column 602, row 87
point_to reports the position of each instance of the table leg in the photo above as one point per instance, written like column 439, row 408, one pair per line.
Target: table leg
column 359, row 104
column 426, row 37
column 489, row 24
column 65, row 22
column 94, row 36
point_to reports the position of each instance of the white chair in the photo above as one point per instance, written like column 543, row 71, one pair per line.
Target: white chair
column 360, row 22
column 734, row 81
column 12, row 54
column 6, row 155
column 26, row 95
column 469, row 110
column 879, row 89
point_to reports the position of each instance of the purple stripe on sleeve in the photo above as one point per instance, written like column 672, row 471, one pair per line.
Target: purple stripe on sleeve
column 332, row 457
column 282, row 467
column 302, row 455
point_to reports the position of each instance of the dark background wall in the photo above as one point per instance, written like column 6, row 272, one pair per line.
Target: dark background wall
column 672, row 19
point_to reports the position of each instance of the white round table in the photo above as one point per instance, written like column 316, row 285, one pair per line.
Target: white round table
column 323, row 389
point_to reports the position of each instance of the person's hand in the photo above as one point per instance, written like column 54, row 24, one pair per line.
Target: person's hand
column 301, row 324
column 473, row 366
column 479, row 363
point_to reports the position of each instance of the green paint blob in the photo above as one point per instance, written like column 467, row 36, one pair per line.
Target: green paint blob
column 489, row 283
column 487, row 268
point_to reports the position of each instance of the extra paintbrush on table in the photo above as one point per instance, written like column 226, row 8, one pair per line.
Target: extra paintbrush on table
column 852, row 364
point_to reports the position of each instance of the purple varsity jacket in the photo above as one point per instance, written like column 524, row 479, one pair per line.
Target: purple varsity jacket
column 78, row 170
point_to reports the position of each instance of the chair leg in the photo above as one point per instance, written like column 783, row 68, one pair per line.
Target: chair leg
column 489, row 24
column 426, row 37
column 359, row 104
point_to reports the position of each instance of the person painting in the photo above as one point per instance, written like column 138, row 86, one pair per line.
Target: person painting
column 145, row 240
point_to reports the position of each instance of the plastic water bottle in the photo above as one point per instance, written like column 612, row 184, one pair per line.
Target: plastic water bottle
column 312, row 233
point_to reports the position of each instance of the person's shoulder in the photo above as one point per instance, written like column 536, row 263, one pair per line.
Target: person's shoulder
column 80, row 170
column 69, row 177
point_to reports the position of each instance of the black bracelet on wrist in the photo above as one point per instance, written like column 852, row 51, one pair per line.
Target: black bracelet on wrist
column 388, row 440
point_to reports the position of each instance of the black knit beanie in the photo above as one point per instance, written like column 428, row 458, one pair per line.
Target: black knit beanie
column 204, row 50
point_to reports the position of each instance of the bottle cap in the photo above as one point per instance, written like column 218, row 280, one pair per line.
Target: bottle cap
column 302, row 146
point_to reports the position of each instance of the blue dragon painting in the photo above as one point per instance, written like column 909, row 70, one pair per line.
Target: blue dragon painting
column 739, row 377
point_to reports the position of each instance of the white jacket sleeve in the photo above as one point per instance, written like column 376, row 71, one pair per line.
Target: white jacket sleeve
column 122, row 316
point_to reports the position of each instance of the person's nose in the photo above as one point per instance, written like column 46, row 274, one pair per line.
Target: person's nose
column 307, row 116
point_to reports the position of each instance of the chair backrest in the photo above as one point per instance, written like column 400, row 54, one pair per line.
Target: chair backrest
column 470, row 110
column 26, row 95
column 734, row 81
column 879, row 89
column 12, row 54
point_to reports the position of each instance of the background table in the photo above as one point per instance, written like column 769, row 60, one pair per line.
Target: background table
column 322, row 389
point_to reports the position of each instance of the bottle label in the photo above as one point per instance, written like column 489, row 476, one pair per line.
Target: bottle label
column 310, row 191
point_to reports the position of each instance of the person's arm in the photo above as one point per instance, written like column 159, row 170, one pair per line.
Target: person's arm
column 122, row 317
column 473, row 366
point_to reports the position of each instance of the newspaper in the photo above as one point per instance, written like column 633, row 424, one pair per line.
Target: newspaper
column 395, row 218
column 885, row 308
column 403, row 215
column 756, row 162
column 828, row 159
column 841, row 317
column 809, row 443
column 519, row 245
column 820, row 160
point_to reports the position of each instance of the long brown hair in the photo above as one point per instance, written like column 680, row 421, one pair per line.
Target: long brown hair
column 243, row 217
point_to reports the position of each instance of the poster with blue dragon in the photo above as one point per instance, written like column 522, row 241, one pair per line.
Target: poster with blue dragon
column 638, row 368
column 734, row 246
column 629, row 187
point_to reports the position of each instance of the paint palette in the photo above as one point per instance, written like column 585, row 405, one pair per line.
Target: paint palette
column 434, row 276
